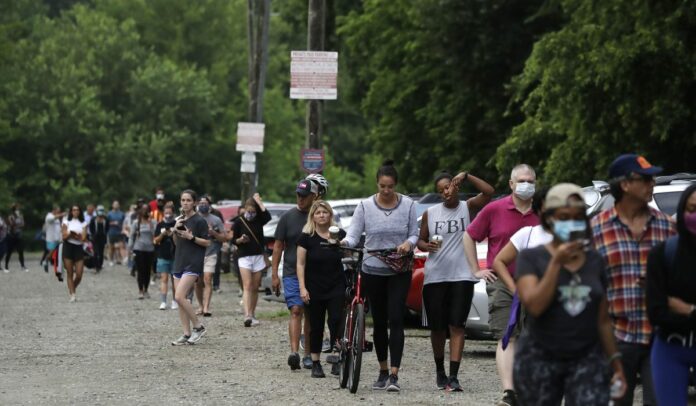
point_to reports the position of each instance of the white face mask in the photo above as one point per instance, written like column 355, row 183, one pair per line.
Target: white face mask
column 524, row 190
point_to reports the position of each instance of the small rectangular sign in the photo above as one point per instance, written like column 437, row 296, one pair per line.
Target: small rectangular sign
column 313, row 75
column 250, row 136
column 248, row 167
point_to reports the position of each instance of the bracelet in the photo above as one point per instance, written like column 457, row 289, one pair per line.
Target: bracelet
column 615, row 356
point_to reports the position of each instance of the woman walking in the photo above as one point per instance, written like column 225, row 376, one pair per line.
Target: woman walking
column 321, row 279
column 74, row 229
column 15, row 222
column 98, row 230
column 388, row 220
column 569, row 339
column 142, row 236
column 248, row 233
column 165, row 254
column 671, row 304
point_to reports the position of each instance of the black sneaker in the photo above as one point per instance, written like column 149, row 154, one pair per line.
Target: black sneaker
column 509, row 398
column 393, row 385
column 247, row 322
column 294, row 361
column 441, row 380
column 307, row 362
column 382, row 381
column 335, row 369
column 453, row 385
column 317, row 371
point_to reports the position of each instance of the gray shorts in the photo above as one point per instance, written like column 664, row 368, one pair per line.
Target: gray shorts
column 499, row 303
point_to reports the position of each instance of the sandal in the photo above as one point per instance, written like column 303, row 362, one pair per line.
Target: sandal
column 207, row 314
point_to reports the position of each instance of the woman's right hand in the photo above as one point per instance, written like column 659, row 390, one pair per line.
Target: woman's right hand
column 243, row 239
column 567, row 251
column 304, row 294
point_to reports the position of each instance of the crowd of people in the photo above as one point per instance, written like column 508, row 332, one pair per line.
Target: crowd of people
column 583, row 308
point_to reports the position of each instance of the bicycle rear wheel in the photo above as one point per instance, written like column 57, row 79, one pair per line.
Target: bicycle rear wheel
column 345, row 349
column 357, row 347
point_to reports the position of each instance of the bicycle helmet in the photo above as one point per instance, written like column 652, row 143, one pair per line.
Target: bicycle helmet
column 320, row 181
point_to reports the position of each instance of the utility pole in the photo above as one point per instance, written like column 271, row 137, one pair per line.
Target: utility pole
column 258, row 16
column 316, row 21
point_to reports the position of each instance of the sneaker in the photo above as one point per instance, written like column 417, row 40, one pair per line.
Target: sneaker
column 45, row 266
column 294, row 361
column 382, row 381
column 335, row 369
column 163, row 306
column 196, row 335
column 509, row 398
column 5, row 270
column 174, row 305
column 111, row 264
column 141, row 296
column 325, row 345
column 60, row 277
column 25, row 269
column 147, row 295
column 393, row 385
column 247, row 322
column 181, row 340
column 317, row 371
column 453, row 385
column 307, row 362
column 442, row 379
column 254, row 322
column 73, row 298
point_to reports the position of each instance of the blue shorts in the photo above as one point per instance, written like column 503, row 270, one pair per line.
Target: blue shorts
column 186, row 271
column 164, row 265
column 291, row 290
column 51, row 245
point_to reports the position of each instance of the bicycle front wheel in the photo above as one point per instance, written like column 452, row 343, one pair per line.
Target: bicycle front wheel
column 345, row 358
column 357, row 347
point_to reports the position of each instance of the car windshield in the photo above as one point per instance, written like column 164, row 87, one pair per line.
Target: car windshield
column 667, row 202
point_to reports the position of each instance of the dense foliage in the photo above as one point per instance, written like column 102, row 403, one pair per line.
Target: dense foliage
column 108, row 99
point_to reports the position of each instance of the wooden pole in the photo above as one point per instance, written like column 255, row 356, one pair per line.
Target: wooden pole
column 316, row 17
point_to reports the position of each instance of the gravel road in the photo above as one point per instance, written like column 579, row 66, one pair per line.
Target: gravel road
column 110, row 348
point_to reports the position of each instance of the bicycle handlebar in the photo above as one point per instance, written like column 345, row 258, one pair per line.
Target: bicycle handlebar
column 363, row 250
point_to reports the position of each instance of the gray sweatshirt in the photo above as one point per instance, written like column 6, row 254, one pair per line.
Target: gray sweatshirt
column 383, row 228
column 142, row 236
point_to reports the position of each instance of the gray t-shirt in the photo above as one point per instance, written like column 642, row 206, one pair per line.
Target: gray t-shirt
column 142, row 235
column 449, row 263
column 188, row 255
column 215, row 223
column 288, row 231
column 568, row 327
column 383, row 228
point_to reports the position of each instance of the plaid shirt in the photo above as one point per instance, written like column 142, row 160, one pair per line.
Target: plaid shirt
column 626, row 260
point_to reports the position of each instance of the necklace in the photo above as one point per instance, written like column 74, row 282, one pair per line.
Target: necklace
column 387, row 212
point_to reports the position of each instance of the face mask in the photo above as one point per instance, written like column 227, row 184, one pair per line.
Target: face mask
column 524, row 190
column 100, row 212
column 563, row 229
column 168, row 218
column 690, row 222
column 159, row 197
column 203, row 209
column 249, row 216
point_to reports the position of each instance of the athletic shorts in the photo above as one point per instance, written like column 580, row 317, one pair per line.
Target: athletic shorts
column 291, row 290
column 116, row 238
column 255, row 263
column 186, row 271
column 447, row 304
column 164, row 265
column 209, row 263
column 73, row 252
column 51, row 245
column 499, row 304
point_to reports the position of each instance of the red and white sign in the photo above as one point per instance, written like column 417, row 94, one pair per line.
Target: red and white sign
column 313, row 75
column 250, row 136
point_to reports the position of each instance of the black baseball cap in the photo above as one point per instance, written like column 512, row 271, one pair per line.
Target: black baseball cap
column 306, row 188
column 626, row 164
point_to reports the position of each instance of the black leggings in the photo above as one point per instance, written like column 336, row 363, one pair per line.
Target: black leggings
column 387, row 302
column 14, row 243
column 143, row 263
column 317, row 315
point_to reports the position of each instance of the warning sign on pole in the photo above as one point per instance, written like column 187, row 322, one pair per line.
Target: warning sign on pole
column 250, row 137
column 313, row 75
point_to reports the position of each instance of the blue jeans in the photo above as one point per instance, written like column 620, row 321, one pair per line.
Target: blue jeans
column 670, row 371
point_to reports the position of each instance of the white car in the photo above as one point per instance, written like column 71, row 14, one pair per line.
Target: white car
column 344, row 210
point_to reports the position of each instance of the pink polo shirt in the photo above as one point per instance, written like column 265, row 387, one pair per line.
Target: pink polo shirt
column 498, row 221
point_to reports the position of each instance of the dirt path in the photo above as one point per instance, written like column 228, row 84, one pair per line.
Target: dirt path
column 110, row 348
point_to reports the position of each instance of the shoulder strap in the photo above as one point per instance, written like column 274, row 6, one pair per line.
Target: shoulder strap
column 529, row 236
column 671, row 245
column 249, row 228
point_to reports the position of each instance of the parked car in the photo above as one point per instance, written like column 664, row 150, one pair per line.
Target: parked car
column 666, row 193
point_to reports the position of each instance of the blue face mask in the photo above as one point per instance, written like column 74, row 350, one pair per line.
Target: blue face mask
column 203, row 209
column 563, row 229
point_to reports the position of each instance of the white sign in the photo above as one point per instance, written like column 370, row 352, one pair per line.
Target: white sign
column 248, row 167
column 249, row 158
column 313, row 75
column 250, row 137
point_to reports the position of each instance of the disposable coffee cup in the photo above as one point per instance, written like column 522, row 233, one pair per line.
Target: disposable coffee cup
column 333, row 232
column 436, row 239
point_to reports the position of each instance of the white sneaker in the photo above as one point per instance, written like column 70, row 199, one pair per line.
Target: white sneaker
column 5, row 270
column 254, row 322
column 163, row 306
column 175, row 305
column 111, row 263
column 26, row 269
column 73, row 298
column 196, row 335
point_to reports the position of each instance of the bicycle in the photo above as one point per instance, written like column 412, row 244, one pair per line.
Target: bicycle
column 352, row 343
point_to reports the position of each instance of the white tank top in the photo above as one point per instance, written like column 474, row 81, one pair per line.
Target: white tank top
column 449, row 263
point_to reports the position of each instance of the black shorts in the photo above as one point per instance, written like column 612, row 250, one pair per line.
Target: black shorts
column 447, row 303
column 116, row 238
column 73, row 252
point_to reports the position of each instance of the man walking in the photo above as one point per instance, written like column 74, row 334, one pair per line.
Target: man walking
column 287, row 232
column 53, row 233
column 115, row 235
column 497, row 222
column 624, row 235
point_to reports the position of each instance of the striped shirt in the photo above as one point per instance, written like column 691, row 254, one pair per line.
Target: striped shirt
column 626, row 258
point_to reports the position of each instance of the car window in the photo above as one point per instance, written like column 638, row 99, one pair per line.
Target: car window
column 667, row 202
